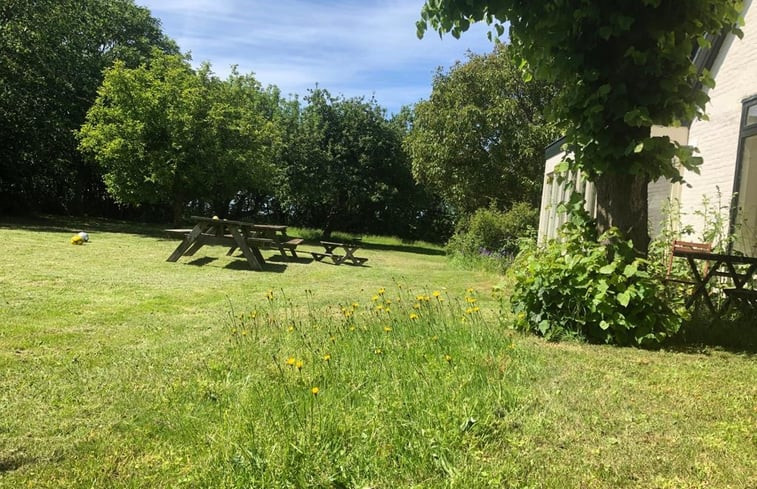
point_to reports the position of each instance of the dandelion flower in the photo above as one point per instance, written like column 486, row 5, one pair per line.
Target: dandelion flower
column 290, row 328
column 327, row 357
column 413, row 316
column 381, row 291
column 355, row 305
column 315, row 391
column 448, row 358
column 387, row 329
column 469, row 290
column 299, row 364
column 436, row 293
column 291, row 361
column 416, row 305
column 378, row 351
column 470, row 300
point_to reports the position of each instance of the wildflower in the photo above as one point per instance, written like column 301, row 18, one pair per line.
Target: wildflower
column 448, row 358
column 469, row 290
column 290, row 328
column 387, row 329
column 470, row 300
column 352, row 328
column 375, row 298
column 291, row 361
column 413, row 316
column 244, row 332
column 379, row 308
column 388, row 301
column 378, row 351
column 333, row 339
column 435, row 338
column 315, row 391
column 269, row 295
column 381, row 291
column 299, row 364
column 469, row 310
column 327, row 358
column 253, row 314
column 355, row 305
column 233, row 331
column 436, row 293
column 476, row 309
column 416, row 305
column 419, row 297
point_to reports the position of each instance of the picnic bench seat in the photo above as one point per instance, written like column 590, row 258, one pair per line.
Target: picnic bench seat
column 290, row 245
column 177, row 233
column 337, row 259
column 746, row 298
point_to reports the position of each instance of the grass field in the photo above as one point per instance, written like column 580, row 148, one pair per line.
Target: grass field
column 122, row 370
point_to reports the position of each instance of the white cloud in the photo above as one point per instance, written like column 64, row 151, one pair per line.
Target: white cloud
column 351, row 47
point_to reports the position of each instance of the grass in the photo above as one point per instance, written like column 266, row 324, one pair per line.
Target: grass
column 123, row 370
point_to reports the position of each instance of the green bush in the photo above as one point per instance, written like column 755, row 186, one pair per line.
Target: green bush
column 492, row 233
column 593, row 287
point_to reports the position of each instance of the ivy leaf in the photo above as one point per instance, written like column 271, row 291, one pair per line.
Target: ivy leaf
column 624, row 298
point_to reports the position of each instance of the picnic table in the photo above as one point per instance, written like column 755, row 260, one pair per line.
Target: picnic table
column 349, row 253
column 277, row 233
column 739, row 270
column 246, row 236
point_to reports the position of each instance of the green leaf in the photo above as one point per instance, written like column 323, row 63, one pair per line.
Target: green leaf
column 624, row 298
column 607, row 269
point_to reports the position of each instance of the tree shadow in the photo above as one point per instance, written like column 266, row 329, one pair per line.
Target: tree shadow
column 289, row 259
column 404, row 248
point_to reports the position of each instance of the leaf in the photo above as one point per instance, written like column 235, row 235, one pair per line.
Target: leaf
column 624, row 298
column 607, row 269
column 630, row 270
column 639, row 147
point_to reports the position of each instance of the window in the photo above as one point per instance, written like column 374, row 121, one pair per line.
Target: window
column 744, row 215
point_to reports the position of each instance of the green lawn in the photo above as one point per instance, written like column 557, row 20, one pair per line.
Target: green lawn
column 122, row 370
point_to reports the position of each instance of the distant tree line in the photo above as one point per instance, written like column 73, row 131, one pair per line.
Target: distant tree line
column 101, row 113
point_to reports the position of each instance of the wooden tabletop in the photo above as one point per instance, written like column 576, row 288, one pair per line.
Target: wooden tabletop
column 722, row 257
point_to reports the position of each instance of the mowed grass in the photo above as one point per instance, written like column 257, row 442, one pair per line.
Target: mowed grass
column 122, row 370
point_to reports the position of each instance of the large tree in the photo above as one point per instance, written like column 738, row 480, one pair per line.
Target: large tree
column 342, row 163
column 52, row 55
column 166, row 134
column 625, row 65
column 479, row 139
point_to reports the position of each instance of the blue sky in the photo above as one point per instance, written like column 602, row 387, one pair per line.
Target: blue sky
column 350, row 47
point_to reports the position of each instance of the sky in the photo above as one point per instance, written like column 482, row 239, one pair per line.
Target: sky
column 349, row 47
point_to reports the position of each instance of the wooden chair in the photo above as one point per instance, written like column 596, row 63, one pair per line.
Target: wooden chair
column 684, row 247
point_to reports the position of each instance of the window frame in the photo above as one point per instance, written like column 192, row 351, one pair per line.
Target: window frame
column 745, row 132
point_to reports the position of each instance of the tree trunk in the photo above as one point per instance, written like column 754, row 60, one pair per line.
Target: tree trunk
column 622, row 202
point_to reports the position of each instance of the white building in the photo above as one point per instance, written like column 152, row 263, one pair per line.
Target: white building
column 727, row 143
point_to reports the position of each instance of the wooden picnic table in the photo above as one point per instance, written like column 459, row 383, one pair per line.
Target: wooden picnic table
column 740, row 270
column 349, row 253
column 223, row 232
column 277, row 233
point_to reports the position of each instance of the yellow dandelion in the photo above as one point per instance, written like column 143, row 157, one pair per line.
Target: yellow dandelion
column 381, row 291
column 388, row 310
column 388, row 301
column 299, row 364
column 253, row 314
column 469, row 310
column 327, row 358
column 469, row 290
column 378, row 351
column 387, row 329
column 315, row 391
column 290, row 328
column 269, row 295
column 352, row 328
column 234, row 331
column 416, row 305
column 244, row 332
column 291, row 361
column 419, row 298
column 448, row 358
column 413, row 316
column 476, row 309
column 436, row 293
column 470, row 300
column 355, row 305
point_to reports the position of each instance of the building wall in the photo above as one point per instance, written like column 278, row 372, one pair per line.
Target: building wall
column 735, row 74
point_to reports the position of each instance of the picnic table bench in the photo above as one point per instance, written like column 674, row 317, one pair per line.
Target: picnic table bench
column 740, row 270
column 250, row 238
column 338, row 259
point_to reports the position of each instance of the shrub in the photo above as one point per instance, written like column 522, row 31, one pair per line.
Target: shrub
column 492, row 233
column 592, row 287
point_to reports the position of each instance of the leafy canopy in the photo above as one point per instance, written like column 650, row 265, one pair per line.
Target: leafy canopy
column 480, row 138
column 625, row 65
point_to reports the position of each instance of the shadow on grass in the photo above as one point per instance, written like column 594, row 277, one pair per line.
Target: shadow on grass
column 737, row 334
column 289, row 259
column 421, row 250
column 70, row 225
column 198, row 262
column 242, row 265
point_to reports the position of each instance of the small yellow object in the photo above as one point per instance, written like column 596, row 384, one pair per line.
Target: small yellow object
column 315, row 391
column 326, row 357
column 216, row 218
column 436, row 293
column 77, row 240
column 290, row 361
column 413, row 316
column 387, row 329
column 448, row 358
column 299, row 364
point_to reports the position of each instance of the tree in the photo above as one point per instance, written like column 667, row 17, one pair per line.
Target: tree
column 480, row 138
column 165, row 134
column 52, row 55
column 342, row 163
column 626, row 65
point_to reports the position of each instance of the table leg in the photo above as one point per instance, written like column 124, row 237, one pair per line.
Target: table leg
column 701, row 287
column 253, row 255
column 187, row 242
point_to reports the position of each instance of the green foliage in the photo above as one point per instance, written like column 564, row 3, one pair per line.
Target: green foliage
column 52, row 57
column 479, row 139
column 626, row 65
column 343, row 167
column 165, row 134
column 593, row 287
column 494, row 234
